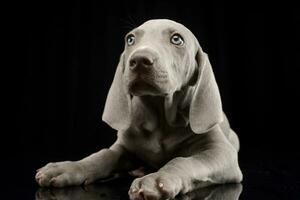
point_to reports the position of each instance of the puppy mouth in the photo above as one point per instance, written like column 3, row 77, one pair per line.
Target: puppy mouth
column 142, row 86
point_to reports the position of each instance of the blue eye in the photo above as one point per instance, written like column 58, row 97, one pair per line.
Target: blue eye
column 177, row 40
column 130, row 40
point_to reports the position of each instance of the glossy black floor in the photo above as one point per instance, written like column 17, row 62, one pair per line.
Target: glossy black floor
column 263, row 179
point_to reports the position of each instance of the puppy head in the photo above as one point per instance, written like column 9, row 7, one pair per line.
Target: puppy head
column 159, row 58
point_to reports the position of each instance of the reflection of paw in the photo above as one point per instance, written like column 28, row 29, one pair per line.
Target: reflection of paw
column 154, row 186
column 60, row 174
column 90, row 192
column 224, row 191
column 44, row 194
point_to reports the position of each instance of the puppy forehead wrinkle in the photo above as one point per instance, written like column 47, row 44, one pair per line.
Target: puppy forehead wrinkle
column 163, row 24
column 162, row 30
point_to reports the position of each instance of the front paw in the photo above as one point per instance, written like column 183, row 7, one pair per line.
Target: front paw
column 155, row 186
column 60, row 174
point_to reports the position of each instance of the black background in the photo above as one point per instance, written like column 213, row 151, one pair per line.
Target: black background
column 65, row 55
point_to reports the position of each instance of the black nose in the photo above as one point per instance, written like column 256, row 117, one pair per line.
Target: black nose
column 141, row 59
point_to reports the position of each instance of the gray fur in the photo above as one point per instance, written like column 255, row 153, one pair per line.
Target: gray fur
column 165, row 104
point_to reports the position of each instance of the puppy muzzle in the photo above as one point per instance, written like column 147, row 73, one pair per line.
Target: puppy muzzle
column 146, row 74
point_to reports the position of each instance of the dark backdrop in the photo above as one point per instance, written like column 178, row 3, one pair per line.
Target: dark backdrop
column 66, row 55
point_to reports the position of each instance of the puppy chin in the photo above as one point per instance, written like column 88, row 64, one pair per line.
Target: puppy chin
column 142, row 88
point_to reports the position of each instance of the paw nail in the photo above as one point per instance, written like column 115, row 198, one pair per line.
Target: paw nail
column 38, row 176
column 52, row 180
column 133, row 190
column 86, row 182
column 141, row 191
column 160, row 185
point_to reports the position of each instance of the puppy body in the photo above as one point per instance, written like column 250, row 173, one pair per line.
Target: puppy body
column 165, row 104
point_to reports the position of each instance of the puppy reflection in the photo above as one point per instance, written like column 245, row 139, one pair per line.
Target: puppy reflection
column 91, row 192
column 100, row 192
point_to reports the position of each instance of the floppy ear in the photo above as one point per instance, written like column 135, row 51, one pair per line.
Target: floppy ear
column 118, row 104
column 206, row 107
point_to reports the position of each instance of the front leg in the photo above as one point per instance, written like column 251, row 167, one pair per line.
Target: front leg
column 214, row 165
column 96, row 166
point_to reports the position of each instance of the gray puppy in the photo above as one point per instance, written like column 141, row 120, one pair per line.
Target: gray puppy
column 165, row 104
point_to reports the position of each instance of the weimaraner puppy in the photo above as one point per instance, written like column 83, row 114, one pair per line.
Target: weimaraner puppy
column 165, row 104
